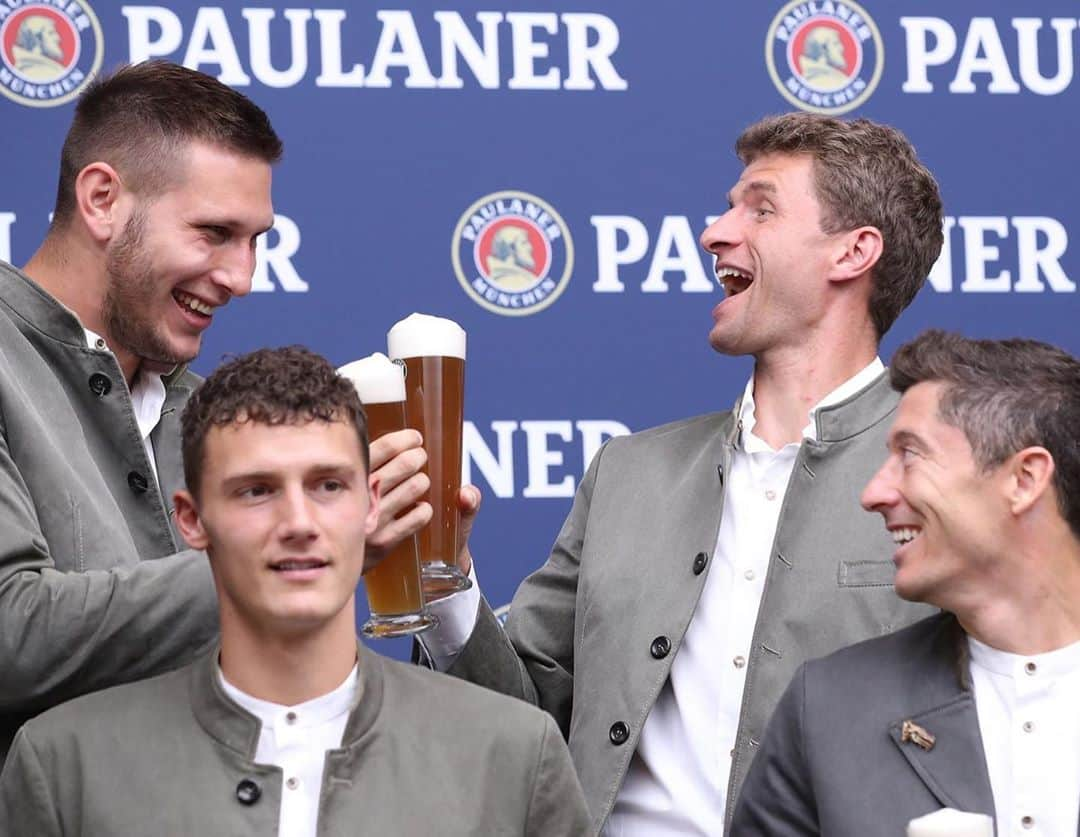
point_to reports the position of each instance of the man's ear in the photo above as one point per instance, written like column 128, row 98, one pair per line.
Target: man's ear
column 371, row 522
column 99, row 201
column 188, row 521
column 1030, row 473
column 857, row 253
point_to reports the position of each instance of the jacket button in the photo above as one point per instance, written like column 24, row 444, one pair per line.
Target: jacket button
column 100, row 384
column 619, row 732
column 248, row 792
column 137, row 482
column 660, row 648
column 700, row 560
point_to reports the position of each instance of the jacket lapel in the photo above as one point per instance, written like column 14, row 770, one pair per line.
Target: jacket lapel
column 942, row 743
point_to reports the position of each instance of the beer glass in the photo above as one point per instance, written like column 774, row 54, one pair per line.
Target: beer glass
column 394, row 593
column 432, row 350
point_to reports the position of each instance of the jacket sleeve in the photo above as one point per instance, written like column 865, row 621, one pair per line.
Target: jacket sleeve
column 533, row 659
column 66, row 633
column 777, row 798
column 557, row 806
column 27, row 798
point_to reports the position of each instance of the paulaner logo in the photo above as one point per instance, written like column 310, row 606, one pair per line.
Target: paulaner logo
column 48, row 53
column 824, row 56
column 512, row 253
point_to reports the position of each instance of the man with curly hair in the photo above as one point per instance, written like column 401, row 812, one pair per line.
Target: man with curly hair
column 289, row 726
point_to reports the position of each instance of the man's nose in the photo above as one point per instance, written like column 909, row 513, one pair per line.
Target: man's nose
column 720, row 233
column 881, row 492
column 296, row 519
column 236, row 268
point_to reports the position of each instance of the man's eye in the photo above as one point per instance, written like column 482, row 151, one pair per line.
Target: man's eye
column 254, row 491
column 215, row 233
column 332, row 485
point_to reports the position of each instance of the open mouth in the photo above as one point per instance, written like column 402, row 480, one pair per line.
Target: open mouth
column 193, row 303
column 733, row 280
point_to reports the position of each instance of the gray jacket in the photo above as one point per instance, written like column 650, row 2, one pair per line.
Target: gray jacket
column 591, row 635
column 835, row 760
column 422, row 754
column 91, row 591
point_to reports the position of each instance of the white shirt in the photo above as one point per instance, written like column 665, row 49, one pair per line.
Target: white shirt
column 147, row 399
column 1029, row 720
column 296, row 738
column 678, row 777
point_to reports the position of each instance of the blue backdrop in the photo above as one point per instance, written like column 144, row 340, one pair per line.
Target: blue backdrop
column 539, row 172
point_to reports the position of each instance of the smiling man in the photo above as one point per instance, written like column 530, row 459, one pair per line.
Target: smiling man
column 975, row 708
column 290, row 727
column 164, row 186
column 704, row 560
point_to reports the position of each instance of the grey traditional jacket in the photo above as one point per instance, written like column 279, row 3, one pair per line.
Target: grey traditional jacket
column 91, row 591
column 591, row 635
column 422, row 754
column 835, row 760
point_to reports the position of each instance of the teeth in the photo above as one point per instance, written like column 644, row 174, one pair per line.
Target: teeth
column 298, row 565
column 194, row 304
column 734, row 280
column 905, row 535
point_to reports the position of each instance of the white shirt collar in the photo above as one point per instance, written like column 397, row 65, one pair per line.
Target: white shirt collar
column 1056, row 663
column 319, row 710
column 848, row 388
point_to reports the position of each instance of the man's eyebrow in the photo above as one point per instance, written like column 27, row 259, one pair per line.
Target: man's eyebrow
column 753, row 186
column 906, row 437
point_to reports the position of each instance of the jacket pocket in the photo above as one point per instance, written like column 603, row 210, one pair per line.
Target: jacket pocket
column 865, row 574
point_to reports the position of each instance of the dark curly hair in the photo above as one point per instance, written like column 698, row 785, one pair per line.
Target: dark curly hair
column 268, row 386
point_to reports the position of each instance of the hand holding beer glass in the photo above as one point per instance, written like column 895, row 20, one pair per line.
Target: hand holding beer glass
column 433, row 352
column 394, row 593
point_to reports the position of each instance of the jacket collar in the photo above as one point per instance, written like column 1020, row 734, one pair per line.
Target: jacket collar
column 836, row 422
column 238, row 730
column 953, row 763
column 36, row 306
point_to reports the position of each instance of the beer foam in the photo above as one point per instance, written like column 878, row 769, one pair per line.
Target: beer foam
column 421, row 335
column 378, row 380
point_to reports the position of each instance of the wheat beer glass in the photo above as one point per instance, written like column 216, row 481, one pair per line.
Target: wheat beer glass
column 433, row 352
column 394, row 593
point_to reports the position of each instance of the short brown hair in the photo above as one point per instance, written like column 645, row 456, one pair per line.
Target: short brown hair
column 865, row 174
column 140, row 120
column 291, row 385
column 1005, row 395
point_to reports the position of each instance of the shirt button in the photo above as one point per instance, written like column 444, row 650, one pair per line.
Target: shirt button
column 700, row 560
column 770, row 494
column 290, row 717
column 619, row 732
column 749, row 575
column 99, row 344
column 292, row 783
column 1027, row 822
column 1030, row 668
column 1028, row 726
column 739, row 661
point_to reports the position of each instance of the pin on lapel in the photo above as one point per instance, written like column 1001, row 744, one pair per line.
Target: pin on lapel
column 920, row 736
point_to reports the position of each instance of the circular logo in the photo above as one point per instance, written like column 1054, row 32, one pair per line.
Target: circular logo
column 512, row 253
column 824, row 57
column 48, row 54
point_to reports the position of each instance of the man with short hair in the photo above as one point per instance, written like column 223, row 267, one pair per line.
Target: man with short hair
column 661, row 632
column 974, row 708
column 164, row 187
column 291, row 727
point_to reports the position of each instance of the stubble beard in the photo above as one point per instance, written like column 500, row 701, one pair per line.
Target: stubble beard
column 131, row 285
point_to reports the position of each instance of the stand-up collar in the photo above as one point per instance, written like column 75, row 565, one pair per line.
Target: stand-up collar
column 233, row 727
